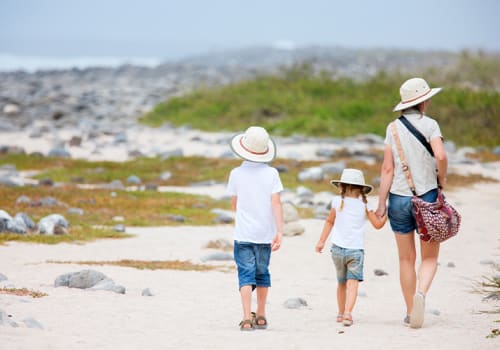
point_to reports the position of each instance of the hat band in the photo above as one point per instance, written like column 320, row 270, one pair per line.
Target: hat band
column 416, row 98
column 250, row 151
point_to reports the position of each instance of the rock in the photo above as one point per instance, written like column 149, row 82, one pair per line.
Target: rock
column 362, row 294
column 293, row 228
column 434, row 312
column 290, row 212
column 23, row 200
column 75, row 141
column 46, row 182
column 380, row 272
column 450, row 264
column 52, row 224
column 85, row 279
column 176, row 153
column 219, row 256
column 115, row 185
column 5, row 320
column 49, row 202
column 176, row 218
column 295, row 303
column 109, row 285
column 30, row 322
column 304, row 192
column 76, row 211
column 223, row 216
column 133, row 179
column 333, row 168
column 165, row 176
column 63, row 280
column 11, row 109
column 26, row 220
column 325, row 152
column 311, row 174
column 3, row 277
column 496, row 150
column 119, row 228
column 59, row 152
column 147, row 293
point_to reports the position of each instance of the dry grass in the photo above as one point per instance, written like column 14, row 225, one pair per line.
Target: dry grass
column 182, row 265
column 23, row 292
column 220, row 244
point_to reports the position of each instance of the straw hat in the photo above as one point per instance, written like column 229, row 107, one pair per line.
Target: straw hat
column 353, row 177
column 254, row 145
column 413, row 91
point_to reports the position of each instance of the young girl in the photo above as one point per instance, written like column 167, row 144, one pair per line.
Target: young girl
column 348, row 217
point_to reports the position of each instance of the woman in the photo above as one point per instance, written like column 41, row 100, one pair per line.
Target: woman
column 428, row 172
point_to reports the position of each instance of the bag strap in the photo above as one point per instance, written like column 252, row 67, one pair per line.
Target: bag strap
column 417, row 134
column 402, row 157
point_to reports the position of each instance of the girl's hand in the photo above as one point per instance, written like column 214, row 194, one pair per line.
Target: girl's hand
column 319, row 247
column 276, row 243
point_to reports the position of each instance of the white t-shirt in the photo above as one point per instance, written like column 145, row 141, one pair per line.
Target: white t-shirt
column 349, row 227
column 253, row 184
column 422, row 165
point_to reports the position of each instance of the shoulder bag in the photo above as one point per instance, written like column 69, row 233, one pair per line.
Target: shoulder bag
column 437, row 221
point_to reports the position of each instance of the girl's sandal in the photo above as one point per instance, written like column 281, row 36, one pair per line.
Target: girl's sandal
column 246, row 325
column 340, row 318
column 347, row 320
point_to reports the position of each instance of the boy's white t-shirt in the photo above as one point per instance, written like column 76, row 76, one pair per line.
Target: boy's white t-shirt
column 349, row 227
column 253, row 184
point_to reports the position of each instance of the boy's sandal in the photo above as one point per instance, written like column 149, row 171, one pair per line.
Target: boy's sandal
column 246, row 325
column 340, row 318
column 259, row 322
column 347, row 320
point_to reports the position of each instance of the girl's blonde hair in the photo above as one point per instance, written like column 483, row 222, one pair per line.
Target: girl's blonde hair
column 350, row 188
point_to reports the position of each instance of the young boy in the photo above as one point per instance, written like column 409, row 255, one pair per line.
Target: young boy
column 255, row 189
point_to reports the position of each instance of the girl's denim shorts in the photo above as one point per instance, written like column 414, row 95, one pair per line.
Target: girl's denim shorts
column 252, row 260
column 348, row 263
column 400, row 211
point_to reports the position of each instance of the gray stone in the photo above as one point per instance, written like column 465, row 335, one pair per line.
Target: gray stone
column 450, row 264
column 487, row 262
column 219, row 256
column 85, row 279
column 5, row 320
column 115, row 185
column 165, row 176
column 147, row 293
column 380, row 272
column 76, row 211
column 3, row 277
column 293, row 228
column 30, row 322
column 23, row 200
column 11, row 109
column 52, row 224
column 176, row 153
column 119, row 228
column 496, row 150
column 362, row 294
column 290, row 212
column 333, row 168
column 133, row 179
column 311, row 174
column 434, row 312
column 325, row 152
column 59, row 152
column 176, row 218
column 295, row 303
column 108, row 284
column 63, row 280
column 304, row 192
column 49, row 202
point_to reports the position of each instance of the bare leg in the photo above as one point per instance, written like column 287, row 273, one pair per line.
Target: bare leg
column 407, row 274
column 246, row 301
column 351, row 295
column 261, row 300
column 341, row 297
column 428, row 267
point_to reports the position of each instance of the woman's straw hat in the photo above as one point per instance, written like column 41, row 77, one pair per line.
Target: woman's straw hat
column 413, row 91
column 254, row 145
column 353, row 177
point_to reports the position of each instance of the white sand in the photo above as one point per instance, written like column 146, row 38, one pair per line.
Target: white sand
column 201, row 310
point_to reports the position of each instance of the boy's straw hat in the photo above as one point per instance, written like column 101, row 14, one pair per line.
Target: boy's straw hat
column 353, row 177
column 413, row 91
column 254, row 145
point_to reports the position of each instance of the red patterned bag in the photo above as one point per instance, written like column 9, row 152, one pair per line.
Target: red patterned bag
column 436, row 221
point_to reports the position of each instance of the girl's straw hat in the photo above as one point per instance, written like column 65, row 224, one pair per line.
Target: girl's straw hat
column 413, row 91
column 254, row 145
column 353, row 177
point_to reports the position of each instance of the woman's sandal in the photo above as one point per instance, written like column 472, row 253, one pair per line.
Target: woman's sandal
column 246, row 325
column 340, row 318
column 259, row 322
column 347, row 320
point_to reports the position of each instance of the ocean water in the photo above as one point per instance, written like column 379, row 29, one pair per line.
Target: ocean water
column 10, row 62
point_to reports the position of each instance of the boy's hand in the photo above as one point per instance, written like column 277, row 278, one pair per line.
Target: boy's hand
column 319, row 247
column 276, row 243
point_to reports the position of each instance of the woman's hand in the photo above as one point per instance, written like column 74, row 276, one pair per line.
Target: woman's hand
column 380, row 212
column 276, row 243
column 319, row 247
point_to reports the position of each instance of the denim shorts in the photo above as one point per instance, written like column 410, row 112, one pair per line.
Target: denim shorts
column 400, row 211
column 348, row 262
column 252, row 260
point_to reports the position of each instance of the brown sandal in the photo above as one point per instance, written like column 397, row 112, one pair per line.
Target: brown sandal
column 245, row 323
column 259, row 322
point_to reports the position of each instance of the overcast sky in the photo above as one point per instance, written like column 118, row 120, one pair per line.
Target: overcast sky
column 172, row 29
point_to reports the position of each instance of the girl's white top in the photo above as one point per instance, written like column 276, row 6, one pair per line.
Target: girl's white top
column 349, row 227
column 253, row 184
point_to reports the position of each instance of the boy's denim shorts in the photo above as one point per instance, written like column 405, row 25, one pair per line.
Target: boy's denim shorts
column 348, row 262
column 400, row 211
column 252, row 260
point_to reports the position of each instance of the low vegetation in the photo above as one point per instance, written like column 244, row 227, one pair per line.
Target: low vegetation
column 22, row 292
column 182, row 265
column 300, row 101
